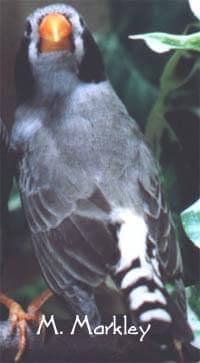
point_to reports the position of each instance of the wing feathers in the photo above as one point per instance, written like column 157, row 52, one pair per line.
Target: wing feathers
column 161, row 230
column 99, row 237
column 71, row 251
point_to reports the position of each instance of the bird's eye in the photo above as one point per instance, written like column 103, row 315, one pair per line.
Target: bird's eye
column 28, row 29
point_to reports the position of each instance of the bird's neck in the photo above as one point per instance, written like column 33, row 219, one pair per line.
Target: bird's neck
column 54, row 80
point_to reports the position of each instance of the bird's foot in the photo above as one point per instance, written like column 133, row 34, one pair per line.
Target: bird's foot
column 19, row 318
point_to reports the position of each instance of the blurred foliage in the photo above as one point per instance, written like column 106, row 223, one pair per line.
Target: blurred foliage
column 193, row 294
column 14, row 201
column 181, row 69
column 165, row 104
column 193, row 297
column 191, row 222
column 132, row 86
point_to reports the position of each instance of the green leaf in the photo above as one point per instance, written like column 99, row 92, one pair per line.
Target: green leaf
column 171, row 79
column 163, row 42
column 191, row 222
column 193, row 297
column 193, row 309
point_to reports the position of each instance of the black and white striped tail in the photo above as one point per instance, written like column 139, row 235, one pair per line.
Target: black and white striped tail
column 145, row 298
column 137, row 273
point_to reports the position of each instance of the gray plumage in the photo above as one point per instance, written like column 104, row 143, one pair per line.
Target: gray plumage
column 85, row 173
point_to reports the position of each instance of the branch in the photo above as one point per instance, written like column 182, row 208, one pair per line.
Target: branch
column 81, row 347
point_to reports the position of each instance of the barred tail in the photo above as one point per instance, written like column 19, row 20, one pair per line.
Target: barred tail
column 145, row 297
column 137, row 273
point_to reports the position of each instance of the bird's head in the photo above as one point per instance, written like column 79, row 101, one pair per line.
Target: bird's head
column 53, row 31
column 56, row 36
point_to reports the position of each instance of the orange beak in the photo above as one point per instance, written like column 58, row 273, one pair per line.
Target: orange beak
column 55, row 31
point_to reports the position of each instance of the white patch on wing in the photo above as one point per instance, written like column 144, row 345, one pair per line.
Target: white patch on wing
column 131, row 237
column 158, row 314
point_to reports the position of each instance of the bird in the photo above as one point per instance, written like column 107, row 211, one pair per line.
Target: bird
column 88, row 181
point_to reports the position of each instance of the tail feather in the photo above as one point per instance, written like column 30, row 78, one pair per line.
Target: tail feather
column 144, row 295
column 138, row 276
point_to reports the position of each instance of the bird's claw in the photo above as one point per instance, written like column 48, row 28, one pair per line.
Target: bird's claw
column 18, row 319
